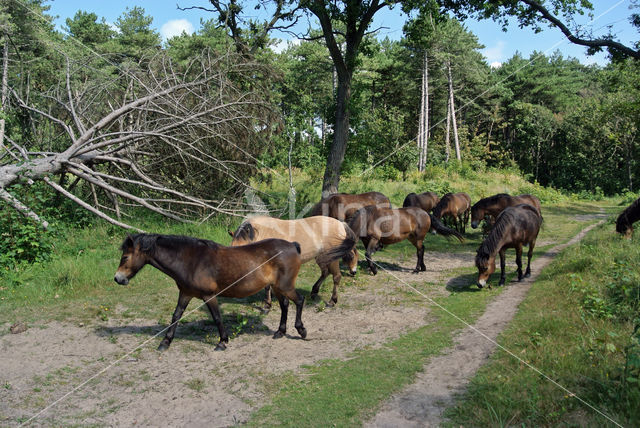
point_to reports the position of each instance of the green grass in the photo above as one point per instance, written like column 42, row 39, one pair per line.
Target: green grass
column 580, row 346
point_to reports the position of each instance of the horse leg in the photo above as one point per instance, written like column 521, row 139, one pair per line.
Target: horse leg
column 371, row 248
column 519, row 261
column 334, row 268
column 214, row 309
column 527, row 273
column 183, row 301
column 420, row 266
column 284, row 308
column 267, row 298
column 316, row 287
column 502, row 263
column 298, row 299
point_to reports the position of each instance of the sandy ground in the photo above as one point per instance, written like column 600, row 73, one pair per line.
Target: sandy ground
column 422, row 403
column 93, row 375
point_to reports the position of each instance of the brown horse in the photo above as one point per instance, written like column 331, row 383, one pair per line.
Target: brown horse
column 624, row 222
column 493, row 205
column 427, row 200
column 343, row 206
column 205, row 270
column 324, row 239
column 515, row 227
column 388, row 226
column 456, row 206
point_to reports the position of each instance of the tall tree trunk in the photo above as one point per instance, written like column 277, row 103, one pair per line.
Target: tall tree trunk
column 447, row 144
column 5, row 74
column 423, row 125
column 453, row 113
column 340, row 136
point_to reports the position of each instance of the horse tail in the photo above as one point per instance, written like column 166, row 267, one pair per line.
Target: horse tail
column 342, row 251
column 443, row 230
column 316, row 210
column 408, row 200
column 297, row 247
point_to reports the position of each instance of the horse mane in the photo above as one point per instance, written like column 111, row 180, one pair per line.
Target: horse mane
column 245, row 231
column 437, row 211
column 627, row 217
column 149, row 241
column 492, row 240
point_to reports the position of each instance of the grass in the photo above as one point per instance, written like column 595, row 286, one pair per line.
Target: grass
column 581, row 347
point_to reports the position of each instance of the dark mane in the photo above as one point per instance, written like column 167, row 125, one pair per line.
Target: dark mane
column 490, row 200
column 437, row 211
column 149, row 241
column 630, row 215
column 245, row 231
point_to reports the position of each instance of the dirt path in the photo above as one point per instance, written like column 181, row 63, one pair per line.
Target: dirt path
column 422, row 403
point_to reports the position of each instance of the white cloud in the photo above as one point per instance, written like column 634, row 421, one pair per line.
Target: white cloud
column 175, row 27
column 495, row 64
column 495, row 53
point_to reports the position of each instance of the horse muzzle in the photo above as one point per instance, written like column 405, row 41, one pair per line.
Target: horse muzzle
column 353, row 272
column 482, row 283
column 121, row 278
column 474, row 224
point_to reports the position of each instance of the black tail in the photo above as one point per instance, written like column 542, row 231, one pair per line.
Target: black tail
column 408, row 201
column 343, row 251
column 297, row 247
column 443, row 230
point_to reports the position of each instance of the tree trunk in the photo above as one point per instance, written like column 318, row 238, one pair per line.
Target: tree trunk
column 453, row 114
column 423, row 125
column 5, row 73
column 447, row 144
column 340, row 136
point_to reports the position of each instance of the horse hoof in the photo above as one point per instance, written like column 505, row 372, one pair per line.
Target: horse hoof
column 220, row 347
column 527, row 275
column 278, row 334
column 303, row 332
column 163, row 346
column 331, row 303
column 415, row 271
column 374, row 272
column 313, row 296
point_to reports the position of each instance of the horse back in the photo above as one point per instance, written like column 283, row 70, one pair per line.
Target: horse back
column 244, row 270
column 528, row 199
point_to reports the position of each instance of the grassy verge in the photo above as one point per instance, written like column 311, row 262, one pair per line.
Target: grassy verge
column 576, row 327
column 343, row 393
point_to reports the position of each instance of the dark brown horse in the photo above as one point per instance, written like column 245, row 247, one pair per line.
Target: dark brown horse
column 343, row 206
column 205, row 270
column 386, row 226
column 515, row 227
column 427, row 200
column 490, row 207
column 624, row 222
column 457, row 207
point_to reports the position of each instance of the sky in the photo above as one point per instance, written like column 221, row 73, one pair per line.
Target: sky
column 499, row 45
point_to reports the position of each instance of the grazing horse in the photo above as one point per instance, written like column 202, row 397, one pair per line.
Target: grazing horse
column 515, row 226
column 343, row 206
column 388, row 226
column 205, row 270
column 427, row 200
column 324, row 239
column 624, row 222
column 456, row 206
column 493, row 205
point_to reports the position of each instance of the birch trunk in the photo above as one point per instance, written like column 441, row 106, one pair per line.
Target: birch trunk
column 453, row 113
column 423, row 125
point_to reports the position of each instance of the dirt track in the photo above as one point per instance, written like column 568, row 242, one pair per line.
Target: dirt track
column 190, row 384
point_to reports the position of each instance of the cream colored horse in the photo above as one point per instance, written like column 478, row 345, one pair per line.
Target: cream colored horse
column 324, row 239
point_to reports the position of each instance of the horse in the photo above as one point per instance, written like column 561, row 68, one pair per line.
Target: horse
column 206, row 270
column 427, row 200
column 342, row 206
column 515, row 227
column 454, row 205
column 386, row 226
column 624, row 222
column 324, row 239
column 493, row 205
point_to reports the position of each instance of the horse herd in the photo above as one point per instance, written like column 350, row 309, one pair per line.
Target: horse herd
column 267, row 252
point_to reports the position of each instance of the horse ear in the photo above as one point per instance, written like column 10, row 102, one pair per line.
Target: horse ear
column 230, row 233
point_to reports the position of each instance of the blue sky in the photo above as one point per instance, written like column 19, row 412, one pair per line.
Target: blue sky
column 499, row 45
